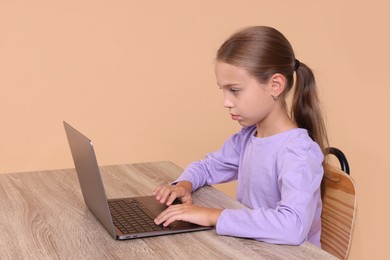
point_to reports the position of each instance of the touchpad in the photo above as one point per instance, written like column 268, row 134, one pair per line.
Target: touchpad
column 153, row 205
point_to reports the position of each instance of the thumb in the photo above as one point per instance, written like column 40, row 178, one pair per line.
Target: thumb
column 187, row 200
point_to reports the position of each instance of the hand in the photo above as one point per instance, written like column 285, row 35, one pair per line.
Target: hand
column 168, row 193
column 190, row 213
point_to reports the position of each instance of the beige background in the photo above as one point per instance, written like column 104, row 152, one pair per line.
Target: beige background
column 137, row 77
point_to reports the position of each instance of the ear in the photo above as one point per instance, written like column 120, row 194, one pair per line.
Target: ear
column 278, row 83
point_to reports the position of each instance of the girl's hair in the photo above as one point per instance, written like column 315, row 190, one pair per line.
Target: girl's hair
column 264, row 51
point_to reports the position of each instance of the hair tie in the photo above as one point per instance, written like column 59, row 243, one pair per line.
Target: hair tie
column 297, row 64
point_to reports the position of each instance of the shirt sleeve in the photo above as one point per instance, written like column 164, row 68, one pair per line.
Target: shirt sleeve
column 218, row 167
column 299, row 173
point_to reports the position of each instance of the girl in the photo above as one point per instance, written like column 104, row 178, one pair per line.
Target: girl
column 276, row 157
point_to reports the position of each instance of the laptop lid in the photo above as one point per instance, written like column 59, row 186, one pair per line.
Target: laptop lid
column 89, row 176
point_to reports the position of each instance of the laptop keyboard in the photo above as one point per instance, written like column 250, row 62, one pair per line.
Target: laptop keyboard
column 129, row 217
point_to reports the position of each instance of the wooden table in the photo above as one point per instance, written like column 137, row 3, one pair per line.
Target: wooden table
column 43, row 216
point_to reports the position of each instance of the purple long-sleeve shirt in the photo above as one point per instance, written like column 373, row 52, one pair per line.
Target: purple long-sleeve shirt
column 279, row 181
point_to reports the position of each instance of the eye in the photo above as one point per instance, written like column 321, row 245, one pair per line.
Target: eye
column 231, row 88
column 234, row 90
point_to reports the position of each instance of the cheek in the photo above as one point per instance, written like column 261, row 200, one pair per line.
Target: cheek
column 260, row 105
column 259, row 101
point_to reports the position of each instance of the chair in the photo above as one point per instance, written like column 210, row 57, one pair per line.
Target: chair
column 339, row 207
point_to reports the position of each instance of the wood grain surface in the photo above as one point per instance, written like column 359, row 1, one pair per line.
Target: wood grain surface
column 338, row 213
column 43, row 216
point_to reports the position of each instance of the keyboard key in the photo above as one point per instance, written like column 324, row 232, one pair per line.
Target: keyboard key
column 129, row 217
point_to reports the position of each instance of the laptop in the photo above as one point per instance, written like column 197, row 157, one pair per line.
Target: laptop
column 123, row 218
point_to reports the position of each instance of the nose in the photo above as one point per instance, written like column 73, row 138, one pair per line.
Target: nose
column 227, row 103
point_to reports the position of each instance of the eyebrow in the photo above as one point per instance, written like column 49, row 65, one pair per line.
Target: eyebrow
column 229, row 85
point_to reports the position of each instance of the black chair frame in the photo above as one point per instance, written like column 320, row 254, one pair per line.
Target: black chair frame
column 340, row 156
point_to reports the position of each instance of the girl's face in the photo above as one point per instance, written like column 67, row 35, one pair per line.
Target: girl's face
column 249, row 102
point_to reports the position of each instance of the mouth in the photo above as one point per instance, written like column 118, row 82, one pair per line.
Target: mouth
column 235, row 117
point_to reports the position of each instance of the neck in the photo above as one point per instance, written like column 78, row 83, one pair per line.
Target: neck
column 276, row 122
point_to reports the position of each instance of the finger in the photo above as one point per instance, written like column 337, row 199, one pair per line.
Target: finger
column 171, row 216
column 163, row 216
column 164, row 194
column 161, row 194
column 170, row 220
column 157, row 191
column 186, row 199
column 172, row 197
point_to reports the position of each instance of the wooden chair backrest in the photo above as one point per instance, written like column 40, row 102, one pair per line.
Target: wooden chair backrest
column 338, row 213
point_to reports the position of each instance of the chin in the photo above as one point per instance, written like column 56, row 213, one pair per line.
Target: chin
column 243, row 124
